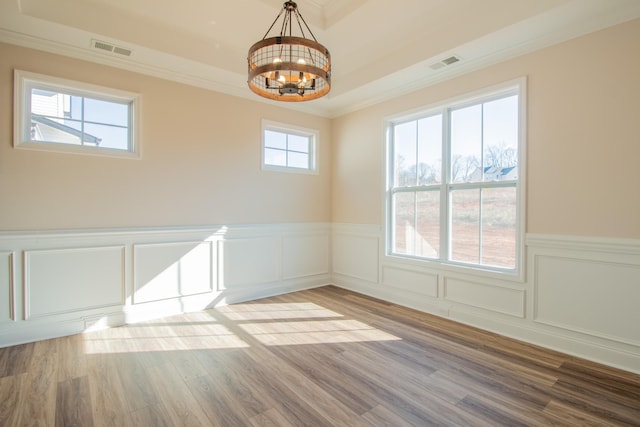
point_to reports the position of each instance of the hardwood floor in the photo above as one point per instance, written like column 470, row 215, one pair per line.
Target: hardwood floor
column 320, row 357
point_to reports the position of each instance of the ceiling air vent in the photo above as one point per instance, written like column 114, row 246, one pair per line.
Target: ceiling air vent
column 447, row 61
column 121, row 51
column 108, row 47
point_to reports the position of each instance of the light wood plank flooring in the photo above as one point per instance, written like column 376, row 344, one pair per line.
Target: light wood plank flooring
column 323, row 357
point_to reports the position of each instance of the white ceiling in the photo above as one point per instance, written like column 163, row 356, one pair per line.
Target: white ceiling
column 380, row 49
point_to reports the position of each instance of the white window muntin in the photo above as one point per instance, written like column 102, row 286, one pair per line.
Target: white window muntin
column 292, row 147
column 27, row 83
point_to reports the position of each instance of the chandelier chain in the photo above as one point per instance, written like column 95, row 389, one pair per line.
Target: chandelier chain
column 274, row 23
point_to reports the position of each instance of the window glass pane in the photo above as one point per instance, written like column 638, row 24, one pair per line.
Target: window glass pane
column 55, row 104
column 500, row 127
column 499, row 227
column 428, row 224
column 430, row 150
column 275, row 157
column 299, row 143
column 404, row 144
column 466, row 144
column 75, row 104
column 298, row 160
column 275, row 139
column 45, row 103
column 404, row 220
column 106, row 136
column 106, row 112
column 465, row 225
column 55, row 130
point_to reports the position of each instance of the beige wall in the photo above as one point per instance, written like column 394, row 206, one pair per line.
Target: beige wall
column 583, row 137
column 201, row 150
column 200, row 161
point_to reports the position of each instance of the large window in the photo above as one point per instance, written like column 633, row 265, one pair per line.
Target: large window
column 287, row 148
column 454, row 182
column 60, row 115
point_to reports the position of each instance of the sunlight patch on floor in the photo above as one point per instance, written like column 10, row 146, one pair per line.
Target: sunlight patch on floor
column 270, row 324
column 315, row 332
column 304, row 310
column 159, row 338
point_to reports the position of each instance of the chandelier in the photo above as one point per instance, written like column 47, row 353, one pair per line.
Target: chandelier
column 287, row 67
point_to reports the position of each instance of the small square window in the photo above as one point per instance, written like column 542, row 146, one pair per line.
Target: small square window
column 288, row 149
column 54, row 114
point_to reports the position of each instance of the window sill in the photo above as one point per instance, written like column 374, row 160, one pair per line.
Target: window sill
column 457, row 269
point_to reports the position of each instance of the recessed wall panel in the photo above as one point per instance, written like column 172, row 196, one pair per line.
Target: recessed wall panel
column 171, row 270
column 68, row 280
column 244, row 262
column 7, row 290
column 599, row 298
column 494, row 298
column 411, row 280
column 305, row 255
column 356, row 256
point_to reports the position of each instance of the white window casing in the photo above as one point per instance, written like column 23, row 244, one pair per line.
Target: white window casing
column 60, row 115
column 289, row 148
column 452, row 192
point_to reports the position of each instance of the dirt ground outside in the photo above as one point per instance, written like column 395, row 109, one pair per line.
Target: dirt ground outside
column 494, row 227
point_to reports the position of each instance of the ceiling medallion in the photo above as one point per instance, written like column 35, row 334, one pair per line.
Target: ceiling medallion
column 287, row 67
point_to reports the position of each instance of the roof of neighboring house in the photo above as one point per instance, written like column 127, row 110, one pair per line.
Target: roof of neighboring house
column 67, row 129
column 499, row 171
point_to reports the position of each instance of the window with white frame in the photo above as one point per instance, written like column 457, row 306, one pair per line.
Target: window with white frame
column 61, row 115
column 288, row 148
column 454, row 182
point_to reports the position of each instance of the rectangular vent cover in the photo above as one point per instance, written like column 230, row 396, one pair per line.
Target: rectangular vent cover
column 450, row 60
column 108, row 47
column 445, row 62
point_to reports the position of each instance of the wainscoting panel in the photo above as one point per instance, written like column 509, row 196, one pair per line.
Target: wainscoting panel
column 171, row 270
column 494, row 298
column 67, row 280
column 7, row 288
column 413, row 280
column 580, row 294
column 305, row 255
column 246, row 262
column 599, row 298
column 356, row 256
